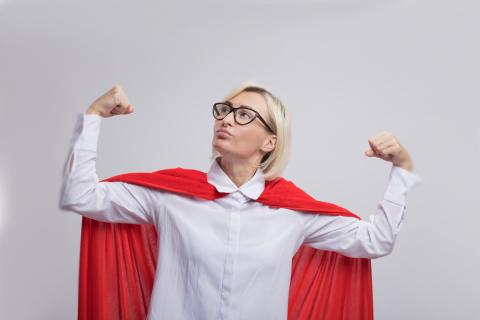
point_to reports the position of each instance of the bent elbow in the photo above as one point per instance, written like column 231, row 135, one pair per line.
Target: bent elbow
column 75, row 199
column 68, row 203
column 64, row 205
column 383, row 251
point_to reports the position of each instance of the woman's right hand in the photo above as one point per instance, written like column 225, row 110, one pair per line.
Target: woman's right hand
column 114, row 102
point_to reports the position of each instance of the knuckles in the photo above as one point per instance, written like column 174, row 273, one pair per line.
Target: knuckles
column 394, row 146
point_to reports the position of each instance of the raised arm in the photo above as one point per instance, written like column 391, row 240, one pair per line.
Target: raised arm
column 358, row 238
column 81, row 191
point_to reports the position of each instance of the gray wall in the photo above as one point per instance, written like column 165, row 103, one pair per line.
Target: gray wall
column 348, row 70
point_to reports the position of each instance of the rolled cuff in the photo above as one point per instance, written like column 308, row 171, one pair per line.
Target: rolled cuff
column 399, row 182
column 88, row 130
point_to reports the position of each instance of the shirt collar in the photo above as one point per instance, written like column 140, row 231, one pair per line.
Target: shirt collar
column 252, row 188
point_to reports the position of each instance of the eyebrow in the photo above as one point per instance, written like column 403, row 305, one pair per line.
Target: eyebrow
column 228, row 102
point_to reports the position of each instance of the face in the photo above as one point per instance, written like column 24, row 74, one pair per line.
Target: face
column 244, row 141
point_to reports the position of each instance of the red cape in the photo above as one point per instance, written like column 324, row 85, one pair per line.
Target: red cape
column 118, row 260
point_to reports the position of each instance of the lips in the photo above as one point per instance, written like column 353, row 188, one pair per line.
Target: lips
column 224, row 131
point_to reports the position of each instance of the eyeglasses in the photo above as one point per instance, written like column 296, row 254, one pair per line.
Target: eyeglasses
column 247, row 115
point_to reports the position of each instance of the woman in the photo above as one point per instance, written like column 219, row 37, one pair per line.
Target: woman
column 231, row 257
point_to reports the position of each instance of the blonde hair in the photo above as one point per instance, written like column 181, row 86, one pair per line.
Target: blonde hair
column 273, row 163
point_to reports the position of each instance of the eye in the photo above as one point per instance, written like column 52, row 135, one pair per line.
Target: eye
column 224, row 109
column 246, row 114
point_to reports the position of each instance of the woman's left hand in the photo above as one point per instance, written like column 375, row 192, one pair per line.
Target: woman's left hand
column 386, row 147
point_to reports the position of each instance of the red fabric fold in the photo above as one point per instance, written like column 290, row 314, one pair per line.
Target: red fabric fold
column 118, row 261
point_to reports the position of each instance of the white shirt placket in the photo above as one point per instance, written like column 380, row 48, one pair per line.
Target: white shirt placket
column 237, row 200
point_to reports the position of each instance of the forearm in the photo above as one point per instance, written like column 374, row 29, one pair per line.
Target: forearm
column 79, row 176
column 362, row 239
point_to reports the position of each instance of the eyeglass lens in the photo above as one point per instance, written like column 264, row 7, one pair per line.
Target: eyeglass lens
column 243, row 116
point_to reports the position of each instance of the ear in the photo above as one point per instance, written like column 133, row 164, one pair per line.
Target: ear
column 270, row 143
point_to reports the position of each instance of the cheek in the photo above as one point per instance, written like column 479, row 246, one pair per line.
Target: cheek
column 249, row 140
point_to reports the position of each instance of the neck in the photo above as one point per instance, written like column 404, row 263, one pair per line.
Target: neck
column 239, row 171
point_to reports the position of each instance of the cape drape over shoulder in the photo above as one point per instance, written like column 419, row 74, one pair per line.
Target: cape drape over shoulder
column 118, row 260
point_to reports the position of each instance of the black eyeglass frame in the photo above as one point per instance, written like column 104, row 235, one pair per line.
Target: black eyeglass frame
column 235, row 115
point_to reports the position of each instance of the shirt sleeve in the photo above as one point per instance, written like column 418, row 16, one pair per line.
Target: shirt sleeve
column 358, row 238
column 81, row 191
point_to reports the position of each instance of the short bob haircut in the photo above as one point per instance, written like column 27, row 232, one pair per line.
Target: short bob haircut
column 273, row 164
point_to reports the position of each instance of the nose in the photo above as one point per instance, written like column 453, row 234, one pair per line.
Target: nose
column 228, row 120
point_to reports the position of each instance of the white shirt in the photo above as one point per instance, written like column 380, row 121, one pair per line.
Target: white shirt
column 228, row 258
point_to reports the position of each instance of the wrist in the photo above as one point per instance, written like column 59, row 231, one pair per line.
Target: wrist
column 407, row 166
column 92, row 110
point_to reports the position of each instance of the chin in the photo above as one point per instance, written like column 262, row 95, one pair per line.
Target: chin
column 219, row 148
column 218, row 142
column 216, row 146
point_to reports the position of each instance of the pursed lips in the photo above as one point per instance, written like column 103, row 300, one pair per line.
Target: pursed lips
column 225, row 131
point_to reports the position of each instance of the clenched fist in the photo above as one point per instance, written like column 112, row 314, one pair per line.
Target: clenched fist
column 386, row 147
column 112, row 103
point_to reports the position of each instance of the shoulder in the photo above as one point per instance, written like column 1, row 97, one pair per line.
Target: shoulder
column 282, row 186
column 174, row 173
column 181, row 172
column 284, row 193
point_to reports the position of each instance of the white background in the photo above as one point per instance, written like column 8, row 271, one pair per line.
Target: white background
column 347, row 70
